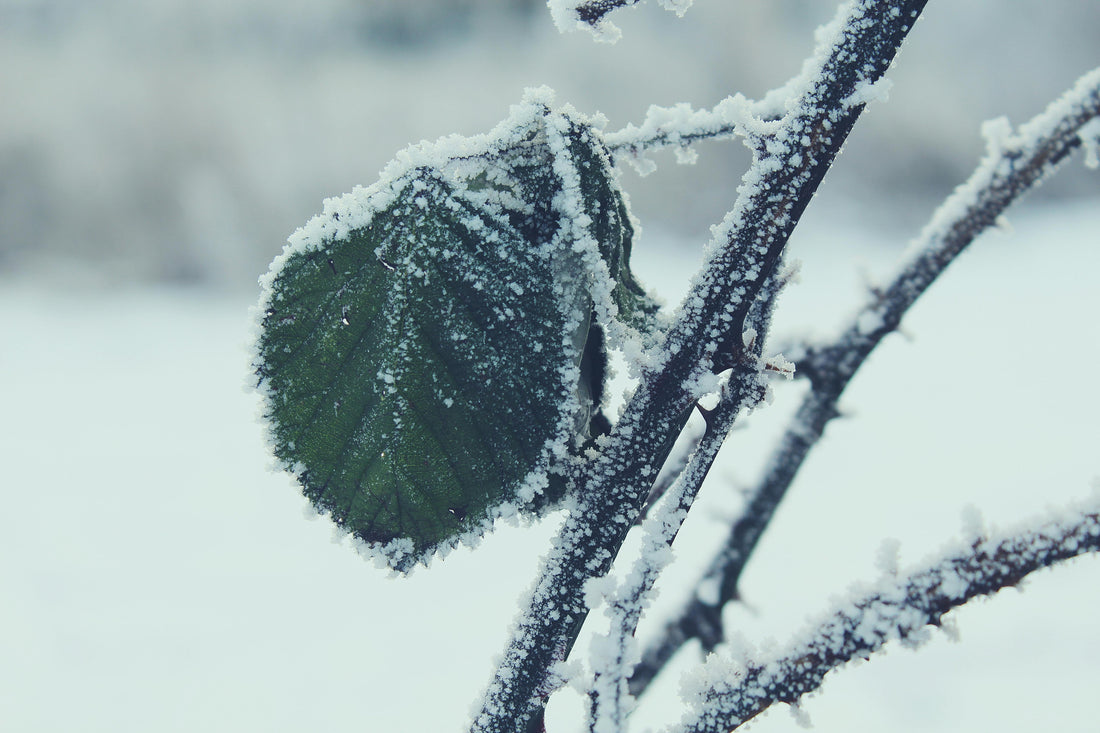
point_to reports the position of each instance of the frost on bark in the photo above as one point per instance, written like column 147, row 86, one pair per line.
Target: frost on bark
column 791, row 155
column 402, row 328
column 729, row 693
column 1015, row 162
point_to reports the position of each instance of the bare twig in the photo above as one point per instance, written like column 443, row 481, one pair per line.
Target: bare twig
column 705, row 337
column 728, row 695
column 1014, row 164
column 615, row 653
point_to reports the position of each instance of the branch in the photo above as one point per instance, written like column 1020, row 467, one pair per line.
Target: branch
column 680, row 127
column 720, row 420
column 705, row 338
column 592, row 14
column 615, row 654
column 897, row 609
column 1012, row 166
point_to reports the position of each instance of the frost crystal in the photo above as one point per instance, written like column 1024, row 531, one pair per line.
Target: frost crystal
column 431, row 289
column 1089, row 135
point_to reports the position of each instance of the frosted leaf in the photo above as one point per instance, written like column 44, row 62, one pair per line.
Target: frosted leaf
column 398, row 328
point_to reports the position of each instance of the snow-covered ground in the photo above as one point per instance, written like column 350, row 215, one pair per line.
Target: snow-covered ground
column 157, row 577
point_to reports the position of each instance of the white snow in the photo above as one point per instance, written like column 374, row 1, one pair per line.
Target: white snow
column 1090, row 140
column 195, row 585
column 867, row 92
column 871, row 617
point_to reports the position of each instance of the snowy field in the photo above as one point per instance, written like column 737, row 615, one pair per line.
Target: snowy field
column 158, row 577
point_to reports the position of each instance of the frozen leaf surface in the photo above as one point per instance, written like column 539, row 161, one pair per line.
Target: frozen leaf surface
column 431, row 348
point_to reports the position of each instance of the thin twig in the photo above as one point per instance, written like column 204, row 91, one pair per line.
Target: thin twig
column 728, row 695
column 614, row 654
column 706, row 335
column 1013, row 165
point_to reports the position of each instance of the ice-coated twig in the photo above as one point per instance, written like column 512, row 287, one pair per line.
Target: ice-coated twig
column 592, row 14
column 681, row 126
column 1014, row 164
column 727, row 694
column 704, row 338
column 674, row 466
column 748, row 370
column 615, row 654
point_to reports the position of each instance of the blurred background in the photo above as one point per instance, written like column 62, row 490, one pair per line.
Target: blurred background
column 160, row 140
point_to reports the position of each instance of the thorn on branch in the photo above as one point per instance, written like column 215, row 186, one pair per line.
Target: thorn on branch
column 779, row 365
column 898, row 609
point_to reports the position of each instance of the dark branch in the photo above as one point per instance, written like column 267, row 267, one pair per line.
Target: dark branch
column 745, row 388
column 593, row 12
column 709, row 324
column 897, row 610
column 1013, row 166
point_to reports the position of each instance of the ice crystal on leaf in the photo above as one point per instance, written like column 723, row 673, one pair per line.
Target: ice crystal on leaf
column 398, row 332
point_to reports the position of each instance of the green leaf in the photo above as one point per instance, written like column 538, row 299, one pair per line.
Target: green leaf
column 428, row 347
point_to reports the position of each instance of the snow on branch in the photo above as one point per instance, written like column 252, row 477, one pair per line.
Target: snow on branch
column 615, row 654
column 1014, row 164
column 790, row 160
column 704, row 339
column 727, row 694
column 592, row 15
column 681, row 126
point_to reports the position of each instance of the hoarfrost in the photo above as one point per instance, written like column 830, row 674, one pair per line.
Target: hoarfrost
column 973, row 523
column 677, row 6
column 902, row 609
column 801, row 717
column 480, row 170
column 868, row 91
column 568, row 15
column 709, row 590
column 869, row 321
column 887, row 558
column 1089, row 135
